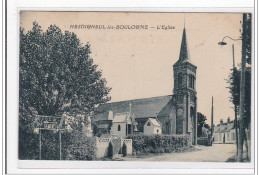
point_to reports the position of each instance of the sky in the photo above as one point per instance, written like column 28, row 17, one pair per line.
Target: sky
column 138, row 63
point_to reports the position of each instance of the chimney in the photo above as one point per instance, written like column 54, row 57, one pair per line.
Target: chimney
column 110, row 115
column 228, row 119
column 221, row 121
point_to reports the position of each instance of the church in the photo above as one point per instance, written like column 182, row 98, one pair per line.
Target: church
column 171, row 114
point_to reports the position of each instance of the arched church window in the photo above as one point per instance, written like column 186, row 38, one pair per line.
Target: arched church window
column 180, row 79
column 190, row 81
column 118, row 128
column 193, row 82
column 192, row 112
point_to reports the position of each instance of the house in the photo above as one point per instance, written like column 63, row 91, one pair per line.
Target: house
column 122, row 125
column 152, row 126
column 176, row 113
column 225, row 132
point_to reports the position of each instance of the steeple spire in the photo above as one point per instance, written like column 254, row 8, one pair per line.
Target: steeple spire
column 184, row 21
column 184, row 55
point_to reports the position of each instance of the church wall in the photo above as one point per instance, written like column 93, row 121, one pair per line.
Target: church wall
column 173, row 120
column 185, row 113
column 163, row 121
column 179, row 124
column 180, row 117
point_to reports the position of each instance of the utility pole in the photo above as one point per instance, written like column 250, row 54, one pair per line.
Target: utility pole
column 242, row 94
column 40, row 144
column 212, row 123
column 60, row 144
column 235, row 105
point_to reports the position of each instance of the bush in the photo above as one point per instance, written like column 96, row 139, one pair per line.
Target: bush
column 110, row 150
column 82, row 148
column 124, row 150
column 144, row 144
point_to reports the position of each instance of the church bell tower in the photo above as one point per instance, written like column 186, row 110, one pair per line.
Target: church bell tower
column 184, row 93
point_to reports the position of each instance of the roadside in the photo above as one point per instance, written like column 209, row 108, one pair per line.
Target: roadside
column 215, row 153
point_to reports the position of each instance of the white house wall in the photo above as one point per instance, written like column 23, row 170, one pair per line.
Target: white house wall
column 157, row 128
column 114, row 129
column 148, row 130
column 230, row 137
column 152, row 129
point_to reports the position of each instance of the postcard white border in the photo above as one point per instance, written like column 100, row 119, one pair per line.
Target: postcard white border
column 15, row 166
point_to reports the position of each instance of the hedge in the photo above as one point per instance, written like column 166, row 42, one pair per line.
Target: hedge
column 144, row 144
column 82, row 149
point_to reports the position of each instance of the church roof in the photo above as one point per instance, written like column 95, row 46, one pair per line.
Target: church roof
column 141, row 108
column 184, row 56
column 154, row 122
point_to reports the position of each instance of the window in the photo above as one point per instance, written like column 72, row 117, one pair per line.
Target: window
column 192, row 81
column 119, row 128
column 180, row 80
column 157, row 131
column 148, row 124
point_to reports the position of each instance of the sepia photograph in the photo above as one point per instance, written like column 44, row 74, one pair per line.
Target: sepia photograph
column 136, row 86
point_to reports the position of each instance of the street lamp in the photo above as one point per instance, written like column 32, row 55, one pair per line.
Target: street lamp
column 222, row 43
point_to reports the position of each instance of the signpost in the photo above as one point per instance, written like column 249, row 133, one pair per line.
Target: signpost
column 50, row 123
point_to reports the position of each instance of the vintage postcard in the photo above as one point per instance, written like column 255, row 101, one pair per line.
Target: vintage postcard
column 135, row 86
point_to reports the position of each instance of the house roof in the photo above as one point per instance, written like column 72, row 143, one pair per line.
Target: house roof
column 154, row 122
column 104, row 122
column 225, row 127
column 141, row 108
column 120, row 117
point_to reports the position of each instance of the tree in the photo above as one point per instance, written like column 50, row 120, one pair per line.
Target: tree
column 241, row 92
column 202, row 122
column 110, row 152
column 124, row 150
column 234, row 89
column 57, row 77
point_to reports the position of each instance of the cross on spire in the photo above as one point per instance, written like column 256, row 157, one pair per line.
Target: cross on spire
column 184, row 21
column 130, row 107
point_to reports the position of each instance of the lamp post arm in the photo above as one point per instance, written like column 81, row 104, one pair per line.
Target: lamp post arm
column 230, row 38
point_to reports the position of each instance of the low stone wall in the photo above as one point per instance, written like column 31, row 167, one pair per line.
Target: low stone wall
column 102, row 146
column 129, row 148
column 204, row 141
